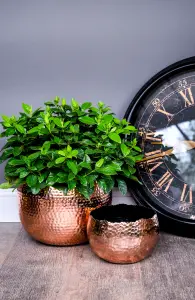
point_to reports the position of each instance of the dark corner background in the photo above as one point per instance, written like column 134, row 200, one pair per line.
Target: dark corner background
column 90, row 50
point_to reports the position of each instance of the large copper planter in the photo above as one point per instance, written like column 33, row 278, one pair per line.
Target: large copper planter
column 55, row 219
column 123, row 233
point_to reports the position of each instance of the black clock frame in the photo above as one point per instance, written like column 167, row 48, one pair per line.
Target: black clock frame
column 168, row 221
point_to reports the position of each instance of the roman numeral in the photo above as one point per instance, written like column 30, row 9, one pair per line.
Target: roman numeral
column 167, row 114
column 150, row 137
column 148, row 154
column 187, row 96
column 166, row 179
column 154, row 163
column 186, row 193
column 160, row 108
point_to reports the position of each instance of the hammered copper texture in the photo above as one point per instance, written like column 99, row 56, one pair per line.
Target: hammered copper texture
column 123, row 242
column 55, row 219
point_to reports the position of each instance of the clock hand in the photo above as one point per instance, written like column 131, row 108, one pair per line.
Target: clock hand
column 164, row 153
column 188, row 145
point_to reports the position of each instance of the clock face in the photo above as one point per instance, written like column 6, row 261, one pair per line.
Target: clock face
column 164, row 113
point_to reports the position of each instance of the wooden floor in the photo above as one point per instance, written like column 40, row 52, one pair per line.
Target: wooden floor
column 32, row 271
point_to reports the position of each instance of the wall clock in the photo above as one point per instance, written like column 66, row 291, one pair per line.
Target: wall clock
column 164, row 113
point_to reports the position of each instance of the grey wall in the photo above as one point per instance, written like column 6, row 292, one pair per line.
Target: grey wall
column 91, row 50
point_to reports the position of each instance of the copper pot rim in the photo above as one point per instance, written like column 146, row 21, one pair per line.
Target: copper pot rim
column 94, row 213
column 47, row 190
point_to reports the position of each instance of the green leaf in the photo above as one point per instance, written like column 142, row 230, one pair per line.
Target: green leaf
column 45, row 148
column 17, row 151
column 49, row 103
column 39, row 165
column 102, row 128
column 117, row 121
column 5, row 185
column 25, row 160
column 60, row 160
column 126, row 172
column 83, row 180
column 87, row 158
column 86, row 105
column 137, row 148
column 46, row 118
column 115, row 137
column 34, row 156
column 52, row 179
column 101, row 104
column 16, row 162
column 91, row 180
column 66, row 124
column 34, row 129
column 130, row 128
column 74, row 104
column 87, row 120
column 131, row 170
column 85, row 165
column 6, row 119
column 57, row 100
column 24, row 173
column 69, row 148
column 107, row 170
column 74, row 153
column 125, row 150
column 10, row 131
column 31, row 180
column 6, row 154
column 50, row 164
column 76, row 128
column 116, row 165
column 35, row 190
column 138, row 157
column 102, row 184
column 94, row 110
column 124, row 122
column 107, row 119
column 71, row 176
column 135, row 179
column 44, row 131
column 42, row 177
column 5, row 124
column 113, row 129
column 71, row 185
column 72, row 129
column 63, row 102
column 58, row 122
column 20, row 128
column 122, row 186
column 27, row 108
column 84, row 191
column 81, row 153
column 99, row 163
column 61, row 152
column 72, row 166
column 109, row 184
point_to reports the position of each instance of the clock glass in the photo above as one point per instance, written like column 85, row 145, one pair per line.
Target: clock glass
column 164, row 113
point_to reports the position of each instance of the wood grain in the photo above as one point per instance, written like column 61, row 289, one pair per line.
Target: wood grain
column 8, row 234
column 33, row 271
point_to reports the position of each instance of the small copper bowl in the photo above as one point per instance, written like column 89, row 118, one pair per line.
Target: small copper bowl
column 123, row 233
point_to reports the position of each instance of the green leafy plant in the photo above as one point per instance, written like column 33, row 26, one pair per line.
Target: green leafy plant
column 68, row 146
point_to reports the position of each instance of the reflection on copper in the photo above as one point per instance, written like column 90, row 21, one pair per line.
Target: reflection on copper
column 55, row 219
column 123, row 242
